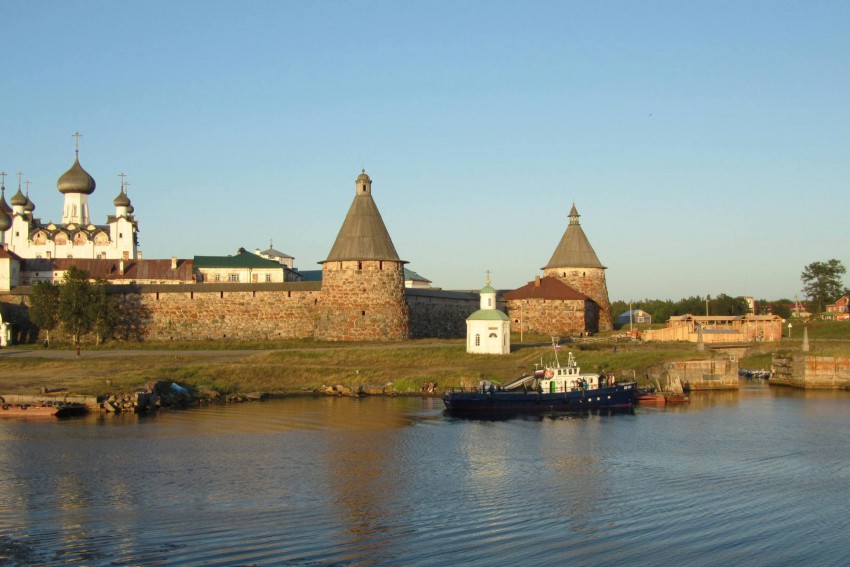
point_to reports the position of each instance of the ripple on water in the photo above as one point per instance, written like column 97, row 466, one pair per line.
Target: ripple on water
column 381, row 481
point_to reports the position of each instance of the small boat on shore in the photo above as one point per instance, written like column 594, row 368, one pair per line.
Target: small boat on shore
column 41, row 409
column 552, row 388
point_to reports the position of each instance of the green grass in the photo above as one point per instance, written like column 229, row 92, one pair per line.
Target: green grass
column 299, row 366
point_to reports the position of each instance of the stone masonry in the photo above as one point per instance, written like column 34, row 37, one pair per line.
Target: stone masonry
column 552, row 317
column 590, row 282
column 811, row 372
column 362, row 301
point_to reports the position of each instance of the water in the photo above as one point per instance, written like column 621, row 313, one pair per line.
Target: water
column 756, row 477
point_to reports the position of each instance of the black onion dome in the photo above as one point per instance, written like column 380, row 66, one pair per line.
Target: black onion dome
column 122, row 200
column 4, row 206
column 19, row 199
column 5, row 220
column 76, row 180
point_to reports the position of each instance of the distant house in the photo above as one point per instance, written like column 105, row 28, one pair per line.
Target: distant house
column 276, row 256
column 244, row 267
column 414, row 280
column 173, row 271
column 10, row 269
column 838, row 311
column 634, row 317
column 799, row 311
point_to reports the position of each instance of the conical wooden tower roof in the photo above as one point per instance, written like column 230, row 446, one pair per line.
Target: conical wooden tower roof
column 363, row 235
column 574, row 249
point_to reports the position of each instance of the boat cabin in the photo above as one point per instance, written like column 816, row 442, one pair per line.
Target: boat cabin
column 560, row 379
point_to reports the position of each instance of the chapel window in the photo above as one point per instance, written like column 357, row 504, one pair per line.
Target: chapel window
column 477, row 339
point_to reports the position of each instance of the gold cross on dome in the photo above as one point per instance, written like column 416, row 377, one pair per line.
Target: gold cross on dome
column 76, row 136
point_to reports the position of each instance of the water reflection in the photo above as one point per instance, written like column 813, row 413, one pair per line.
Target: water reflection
column 363, row 466
column 395, row 481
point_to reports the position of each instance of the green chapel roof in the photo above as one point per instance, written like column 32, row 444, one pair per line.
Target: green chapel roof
column 488, row 315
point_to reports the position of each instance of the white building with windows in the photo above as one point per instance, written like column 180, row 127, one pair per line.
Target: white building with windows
column 76, row 236
column 488, row 330
column 244, row 267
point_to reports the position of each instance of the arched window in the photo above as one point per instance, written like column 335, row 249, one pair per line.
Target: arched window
column 477, row 339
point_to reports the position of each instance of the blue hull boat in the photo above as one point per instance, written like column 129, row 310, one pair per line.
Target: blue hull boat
column 552, row 388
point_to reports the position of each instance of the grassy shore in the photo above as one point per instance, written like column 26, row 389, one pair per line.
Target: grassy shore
column 302, row 366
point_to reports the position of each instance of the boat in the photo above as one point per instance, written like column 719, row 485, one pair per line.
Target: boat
column 674, row 393
column 41, row 409
column 650, row 397
column 552, row 388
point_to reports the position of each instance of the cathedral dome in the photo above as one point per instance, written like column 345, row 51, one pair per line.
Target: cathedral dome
column 30, row 206
column 18, row 199
column 122, row 200
column 363, row 176
column 4, row 206
column 130, row 209
column 76, row 180
column 5, row 220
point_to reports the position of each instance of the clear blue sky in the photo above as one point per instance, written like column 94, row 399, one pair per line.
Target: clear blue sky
column 706, row 144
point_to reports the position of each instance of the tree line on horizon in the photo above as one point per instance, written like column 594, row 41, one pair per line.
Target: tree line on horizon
column 822, row 285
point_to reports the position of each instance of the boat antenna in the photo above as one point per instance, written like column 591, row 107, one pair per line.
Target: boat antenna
column 556, row 348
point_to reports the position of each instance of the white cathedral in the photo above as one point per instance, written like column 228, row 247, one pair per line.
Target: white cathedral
column 76, row 236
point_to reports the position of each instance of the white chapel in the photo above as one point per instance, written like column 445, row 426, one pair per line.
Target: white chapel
column 488, row 330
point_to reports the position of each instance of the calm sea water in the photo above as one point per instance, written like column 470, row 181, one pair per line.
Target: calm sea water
column 756, row 477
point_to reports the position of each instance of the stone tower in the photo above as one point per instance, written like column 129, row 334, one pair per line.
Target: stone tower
column 576, row 264
column 362, row 294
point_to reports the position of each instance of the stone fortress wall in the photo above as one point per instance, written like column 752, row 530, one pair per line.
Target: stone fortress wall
column 552, row 317
column 361, row 296
column 591, row 282
column 266, row 311
column 362, row 301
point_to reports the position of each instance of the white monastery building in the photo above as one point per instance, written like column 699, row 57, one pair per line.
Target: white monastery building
column 488, row 330
column 76, row 236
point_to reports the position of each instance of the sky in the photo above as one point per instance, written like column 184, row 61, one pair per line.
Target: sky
column 706, row 145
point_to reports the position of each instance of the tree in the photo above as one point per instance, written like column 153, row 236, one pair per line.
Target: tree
column 822, row 282
column 778, row 307
column 103, row 311
column 44, row 306
column 75, row 303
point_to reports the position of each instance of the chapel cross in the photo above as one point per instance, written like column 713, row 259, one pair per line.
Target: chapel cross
column 20, row 174
column 77, row 136
column 488, row 277
column 27, row 183
column 3, row 179
column 122, row 175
